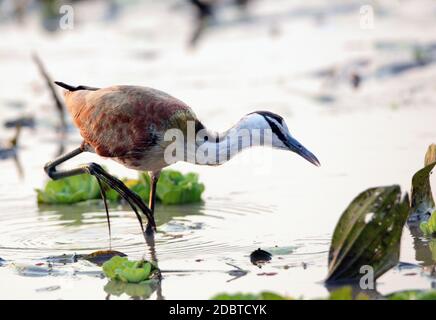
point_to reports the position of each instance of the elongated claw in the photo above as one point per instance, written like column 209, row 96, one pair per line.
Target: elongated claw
column 132, row 198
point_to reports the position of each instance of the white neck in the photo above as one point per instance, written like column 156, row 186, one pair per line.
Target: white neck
column 249, row 132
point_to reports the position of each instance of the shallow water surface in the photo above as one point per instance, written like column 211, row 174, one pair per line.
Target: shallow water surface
column 263, row 198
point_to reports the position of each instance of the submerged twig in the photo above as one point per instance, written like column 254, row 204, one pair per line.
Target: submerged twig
column 58, row 102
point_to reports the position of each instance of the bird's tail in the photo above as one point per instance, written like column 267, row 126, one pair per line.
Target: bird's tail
column 71, row 88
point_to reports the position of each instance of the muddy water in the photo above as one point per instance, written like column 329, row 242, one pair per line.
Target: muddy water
column 261, row 199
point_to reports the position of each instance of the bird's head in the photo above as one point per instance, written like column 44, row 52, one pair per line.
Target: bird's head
column 281, row 137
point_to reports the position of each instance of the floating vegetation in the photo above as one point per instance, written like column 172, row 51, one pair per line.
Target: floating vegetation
column 429, row 227
column 413, row 295
column 173, row 187
column 342, row 293
column 124, row 270
column 368, row 234
column 422, row 198
column 250, row 296
column 69, row 190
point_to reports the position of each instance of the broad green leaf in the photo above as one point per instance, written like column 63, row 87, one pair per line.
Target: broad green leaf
column 175, row 188
column 120, row 268
column 69, row 190
column 429, row 227
column 413, row 295
column 110, row 267
column 422, row 198
column 346, row 293
column 368, row 233
column 250, row 296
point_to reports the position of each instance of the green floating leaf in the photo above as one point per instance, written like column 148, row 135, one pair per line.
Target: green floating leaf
column 69, row 190
column 120, row 268
column 368, row 234
column 250, row 296
column 176, row 188
column 422, row 198
column 173, row 188
column 429, row 227
column 413, row 295
column 346, row 293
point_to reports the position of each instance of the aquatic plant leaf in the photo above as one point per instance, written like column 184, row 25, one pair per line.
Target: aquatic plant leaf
column 250, row 296
column 69, row 190
column 346, row 293
column 173, row 188
column 120, row 268
column 422, row 198
column 429, row 227
column 110, row 267
column 413, row 295
column 368, row 234
column 176, row 188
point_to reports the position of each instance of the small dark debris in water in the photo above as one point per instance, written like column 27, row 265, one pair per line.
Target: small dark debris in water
column 407, row 265
column 63, row 259
column 259, row 257
column 48, row 289
column 286, row 267
column 2, row 262
column 24, row 122
column 304, row 265
column 268, row 274
column 39, row 264
column 356, row 80
column 409, row 274
column 199, row 260
column 100, row 257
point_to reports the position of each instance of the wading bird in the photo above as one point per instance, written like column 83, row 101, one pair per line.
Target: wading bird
column 128, row 124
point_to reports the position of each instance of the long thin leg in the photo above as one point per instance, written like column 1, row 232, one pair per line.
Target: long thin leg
column 154, row 178
column 103, row 195
column 96, row 170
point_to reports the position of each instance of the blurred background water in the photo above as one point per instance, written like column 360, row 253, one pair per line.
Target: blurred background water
column 357, row 89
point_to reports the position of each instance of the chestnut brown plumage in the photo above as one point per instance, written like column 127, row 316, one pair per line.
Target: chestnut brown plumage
column 128, row 124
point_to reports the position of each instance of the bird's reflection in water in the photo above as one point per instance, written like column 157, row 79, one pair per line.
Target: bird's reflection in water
column 425, row 249
column 10, row 152
column 78, row 215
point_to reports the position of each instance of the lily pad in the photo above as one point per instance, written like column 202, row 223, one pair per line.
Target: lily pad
column 250, row 296
column 120, row 268
column 368, row 234
column 413, row 295
column 69, row 190
column 429, row 227
column 422, row 198
column 346, row 293
column 175, row 188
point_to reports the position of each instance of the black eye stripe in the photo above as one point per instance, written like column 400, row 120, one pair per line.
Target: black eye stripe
column 275, row 129
column 269, row 114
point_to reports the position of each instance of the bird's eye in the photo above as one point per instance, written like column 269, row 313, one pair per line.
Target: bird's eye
column 206, row 138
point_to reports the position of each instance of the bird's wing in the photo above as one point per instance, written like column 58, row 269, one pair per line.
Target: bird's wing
column 124, row 121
